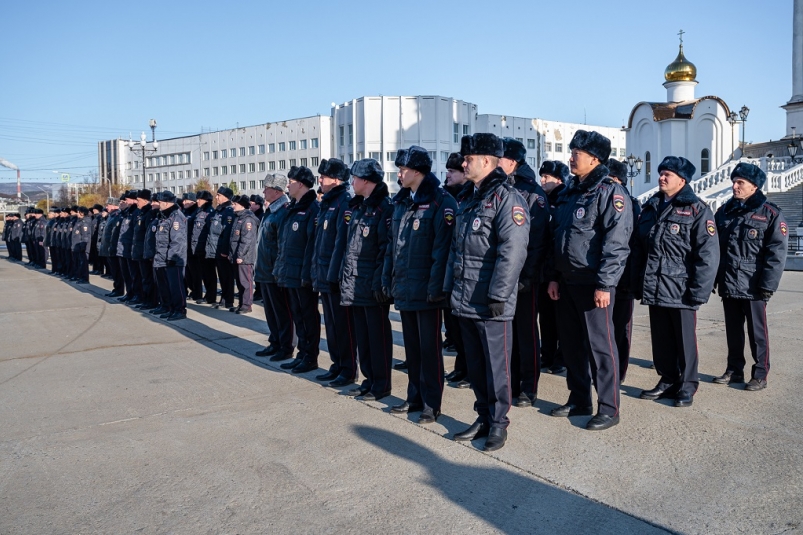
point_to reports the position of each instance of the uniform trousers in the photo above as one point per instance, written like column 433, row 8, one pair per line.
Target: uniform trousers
column 525, row 359
column 42, row 254
column 307, row 320
column 341, row 340
column 245, row 284
column 146, row 275
column 170, row 280
column 276, row 303
column 225, row 273
column 81, row 265
column 93, row 256
column 209, row 276
column 674, row 347
column 488, row 345
column 551, row 352
column 122, row 266
column 589, row 352
column 374, row 346
column 53, row 260
column 16, row 246
column 623, row 330
column 194, row 277
column 136, row 279
column 118, row 284
column 737, row 311
column 454, row 334
column 29, row 251
column 421, row 330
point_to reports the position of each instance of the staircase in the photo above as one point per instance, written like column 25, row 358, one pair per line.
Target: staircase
column 791, row 204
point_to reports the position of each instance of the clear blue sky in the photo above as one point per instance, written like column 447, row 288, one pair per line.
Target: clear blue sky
column 74, row 73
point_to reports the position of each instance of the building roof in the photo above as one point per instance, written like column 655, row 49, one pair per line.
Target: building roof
column 661, row 111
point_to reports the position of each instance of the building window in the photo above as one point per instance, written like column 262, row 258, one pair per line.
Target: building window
column 252, row 184
column 181, row 189
column 292, row 162
column 622, row 153
column 215, row 171
column 359, row 156
column 242, row 185
column 172, row 159
column 206, row 171
column 281, row 146
column 465, row 129
column 242, row 168
column 233, row 169
column 444, row 156
column 261, row 149
column 647, row 167
column 548, row 146
column 558, row 147
column 282, row 164
column 181, row 175
column 315, row 162
column 271, row 147
column 351, row 134
column 456, row 133
column 520, row 140
column 433, row 156
column 205, row 156
column 194, row 172
column 292, row 145
column 705, row 161
column 224, row 169
column 530, row 143
column 173, row 189
column 375, row 155
column 392, row 178
column 272, row 166
column 232, row 153
column 351, row 157
column 261, row 166
column 242, row 151
column 224, row 153
column 303, row 162
column 342, row 137
column 150, row 177
column 313, row 143
column 214, row 155
column 391, row 157
column 302, row 144
column 252, row 150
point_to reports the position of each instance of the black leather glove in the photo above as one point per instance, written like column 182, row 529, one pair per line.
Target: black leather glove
column 525, row 285
column 496, row 308
column 436, row 298
column 765, row 295
column 382, row 296
column 306, row 284
column 334, row 287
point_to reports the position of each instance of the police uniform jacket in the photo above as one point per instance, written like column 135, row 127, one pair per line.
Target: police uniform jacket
column 58, row 229
column 149, row 245
column 200, row 230
column 101, row 227
column 753, row 240
column 220, row 221
column 126, row 238
column 675, row 253
column 51, row 223
column 331, row 232
column 15, row 234
column 111, row 233
column 268, row 242
column 26, row 225
column 190, row 213
column 293, row 266
column 142, row 220
column 419, row 243
column 534, row 196
column 81, row 235
column 244, row 234
column 366, row 245
column 488, row 249
column 40, row 230
column 170, row 238
column 591, row 225
column 67, row 237
column 624, row 289
column 96, row 219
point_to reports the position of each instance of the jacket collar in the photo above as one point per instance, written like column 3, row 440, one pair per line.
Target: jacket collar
column 279, row 203
column 304, row 202
column 167, row 213
column 684, row 197
column 597, row 175
column 426, row 192
column 334, row 192
column 524, row 173
column 490, row 182
column 222, row 206
column 376, row 197
column 753, row 202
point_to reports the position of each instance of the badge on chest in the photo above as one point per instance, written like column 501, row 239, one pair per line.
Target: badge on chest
column 295, row 225
column 476, row 224
column 416, row 223
column 580, row 213
column 366, row 231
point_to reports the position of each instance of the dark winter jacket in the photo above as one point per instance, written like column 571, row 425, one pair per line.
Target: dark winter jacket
column 366, row 245
column 525, row 182
column 81, row 235
column 331, row 232
column 488, row 250
column 96, row 219
column 142, row 220
column 623, row 288
column 171, row 238
column 190, row 213
column 753, row 240
column 268, row 243
column 591, row 225
column 126, row 242
column 244, row 235
column 420, row 239
column 101, row 229
column 220, row 222
column 200, row 230
column 40, row 230
column 675, row 253
column 111, row 234
column 297, row 243
column 51, row 224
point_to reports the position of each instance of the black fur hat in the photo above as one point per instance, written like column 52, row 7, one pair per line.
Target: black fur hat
column 98, row 207
column 291, row 174
column 39, row 211
column 334, row 168
column 242, row 200
column 257, row 199
column 556, row 169
column 680, row 166
column 485, row 144
column 83, row 210
column 401, row 157
column 416, row 158
column 617, row 169
column 305, row 176
column 455, row 161
column 593, row 143
column 74, row 208
column 514, row 150
column 226, row 192
column 189, row 196
column 323, row 168
column 166, row 196
column 751, row 173
column 144, row 194
column 203, row 195
column 132, row 195
column 368, row 169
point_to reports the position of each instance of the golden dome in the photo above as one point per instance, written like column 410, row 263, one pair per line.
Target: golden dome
column 680, row 70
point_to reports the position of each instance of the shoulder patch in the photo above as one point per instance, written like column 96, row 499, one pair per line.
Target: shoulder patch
column 347, row 216
column 618, row 202
column 448, row 215
column 175, row 225
column 518, row 215
column 248, row 225
column 784, row 228
column 710, row 227
column 540, row 200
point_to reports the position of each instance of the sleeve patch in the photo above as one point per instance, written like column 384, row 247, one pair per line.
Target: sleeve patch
column 175, row 225
column 619, row 202
column 248, row 226
column 519, row 216
column 710, row 227
column 448, row 215
column 784, row 228
column 540, row 201
column 347, row 216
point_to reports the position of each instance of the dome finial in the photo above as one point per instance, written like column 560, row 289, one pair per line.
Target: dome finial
column 680, row 70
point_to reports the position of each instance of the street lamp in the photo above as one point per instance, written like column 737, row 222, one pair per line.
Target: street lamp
column 793, row 149
column 732, row 119
column 47, row 196
column 743, row 116
column 633, row 162
column 142, row 147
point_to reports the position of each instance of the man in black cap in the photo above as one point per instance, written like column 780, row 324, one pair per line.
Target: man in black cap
column 193, row 277
column 66, row 243
column 331, row 232
column 243, row 251
column 171, row 257
column 293, row 269
column 257, row 206
column 369, row 219
column 488, row 252
column 415, row 267
column 52, row 219
column 102, row 267
column 623, row 302
column 675, row 259
column 217, row 246
column 108, row 247
column 59, row 238
column 198, row 242
column 753, row 241
column 95, row 214
column 591, row 226
column 525, row 370
column 143, row 219
column 554, row 175
column 14, row 236
column 125, row 244
column 275, row 300
column 27, row 235
column 156, row 307
column 39, row 234
column 82, row 235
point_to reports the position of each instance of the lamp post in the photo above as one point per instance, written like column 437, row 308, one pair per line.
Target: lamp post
column 794, row 154
column 633, row 162
column 47, row 197
column 142, row 147
column 743, row 116
column 732, row 119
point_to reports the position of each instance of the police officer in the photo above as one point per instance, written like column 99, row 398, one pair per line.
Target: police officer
column 143, row 220
column 592, row 225
column 125, row 243
column 59, row 230
column 331, row 232
column 14, row 237
column 108, row 246
column 525, row 370
column 171, row 256
column 243, row 251
column 488, row 252
column 753, row 240
column 102, row 267
column 39, row 234
column 193, row 274
column 415, row 267
column 81, row 237
column 217, row 246
column 27, row 235
column 198, row 241
column 293, row 268
column 52, row 219
column 554, row 175
column 275, row 300
column 258, row 207
column 157, row 308
column 623, row 302
column 96, row 216
column 675, row 259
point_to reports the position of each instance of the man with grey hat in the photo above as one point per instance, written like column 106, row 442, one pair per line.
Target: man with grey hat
column 217, row 246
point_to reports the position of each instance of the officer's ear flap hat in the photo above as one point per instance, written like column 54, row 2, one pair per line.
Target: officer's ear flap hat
column 334, row 168
column 39, row 211
column 323, row 168
column 242, row 200
column 276, row 181
column 455, row 161
column 617, row 169
column 305, row 176
column 751, row 173
column 678, row 165
column 144, row 194
column 368, row 169
column 132, row 194
column 205, row 195
column 98, row 207
column 593, row 143
column 416, row 158
column 514, row 150
column 74, row 208
column 226, row 192
column 189, row 196
column 556, row 169
column 166, row 196
column 83, row 210
column 483, row 144
column 257, row 199
column 291, row 174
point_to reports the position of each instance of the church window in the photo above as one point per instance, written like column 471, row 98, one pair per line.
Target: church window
column 705, row 161
column 647, row 166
